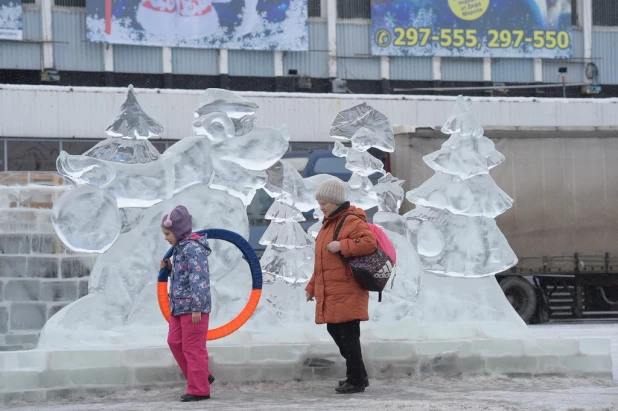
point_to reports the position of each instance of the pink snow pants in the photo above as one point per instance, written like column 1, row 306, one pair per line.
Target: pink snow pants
column 187, row 342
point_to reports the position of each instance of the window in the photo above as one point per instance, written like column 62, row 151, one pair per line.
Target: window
column 32, row 155
column 330, row 165
column 70, row 3
column 299, row 163
column 354, row 9
column 574, row 13
column 605, row 13
column 257, row 209
column 28, row 1
column 315, row 8
column 161, row 146
column 2, row 164
column 76, row 147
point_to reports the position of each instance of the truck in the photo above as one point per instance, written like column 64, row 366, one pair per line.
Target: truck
column 563, row 225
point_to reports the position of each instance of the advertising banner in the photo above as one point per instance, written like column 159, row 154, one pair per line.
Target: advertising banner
column 472, row 28
column 228, row 24
column 10, row 20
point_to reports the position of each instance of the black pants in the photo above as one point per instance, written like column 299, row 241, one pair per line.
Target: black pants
column 347, row 337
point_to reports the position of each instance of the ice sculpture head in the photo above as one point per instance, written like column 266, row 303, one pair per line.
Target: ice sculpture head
column 179, row 222
column 364, row 127
column 331, row 191
column 223, row 114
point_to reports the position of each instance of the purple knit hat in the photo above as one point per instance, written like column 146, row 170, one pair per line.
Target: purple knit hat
column 178, row 221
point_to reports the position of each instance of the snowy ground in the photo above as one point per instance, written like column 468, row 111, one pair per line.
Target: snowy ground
column 487, row 393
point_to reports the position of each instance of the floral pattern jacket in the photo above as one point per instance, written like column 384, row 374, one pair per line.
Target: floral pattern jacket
column 190, row 285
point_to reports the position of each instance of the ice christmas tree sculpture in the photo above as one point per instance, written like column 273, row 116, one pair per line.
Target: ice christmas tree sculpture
column 453, row 224
column 290, row 250
column 364, row 127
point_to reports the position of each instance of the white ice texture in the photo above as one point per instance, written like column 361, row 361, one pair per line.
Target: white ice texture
column 215, row 172
column 87, row 219
column 459, row 245
column 401, row 291
column 290, row 251
column 132, row 123
column 476, row 196
column 234, row 164
column 466, row 308
column 467, row 152
column 390, row 193
column 364, row 127
column 240, row 110
column 359, row 162
column 119, row 278
column 452, row 225
column 284, row 180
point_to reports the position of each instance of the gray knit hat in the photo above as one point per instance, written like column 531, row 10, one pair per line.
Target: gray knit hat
column 332, row 191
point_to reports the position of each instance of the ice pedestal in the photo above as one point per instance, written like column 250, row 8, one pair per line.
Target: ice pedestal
column 41, row 375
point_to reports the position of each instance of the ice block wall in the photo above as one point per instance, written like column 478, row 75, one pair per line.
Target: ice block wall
column 38, row 275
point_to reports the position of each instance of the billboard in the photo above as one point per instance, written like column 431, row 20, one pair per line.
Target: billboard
column 472, row 28
column 10, row 20
column 227, row 24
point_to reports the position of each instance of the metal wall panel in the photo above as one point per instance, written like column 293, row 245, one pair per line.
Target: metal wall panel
column 251, row 63
column 605, row 55
column 358, row 68
column 353, row 39
column 85, row 111
column 411, row 68
column 352, row 45
column 137, row 59
column 31, row 20
column 512, row 70
column 20, row 55
column 315, row 62
column 73, row 51
column 575, row 65
column 195, row 61
column 462, row 69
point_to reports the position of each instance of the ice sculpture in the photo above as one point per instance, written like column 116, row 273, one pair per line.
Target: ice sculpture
column 359, row 162
column 404, row 286
column 452, row 228
column 390, row 197
column 289, row 253
column 453, row 222
column 285, row 179
column 365, row 127
column 287, row 264
column 121, row 196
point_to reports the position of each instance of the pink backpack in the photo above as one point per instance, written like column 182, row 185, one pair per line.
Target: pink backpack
column 384, row 243
column 372, row 271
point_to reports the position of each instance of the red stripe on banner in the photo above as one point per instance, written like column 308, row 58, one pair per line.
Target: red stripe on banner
column 108, row 16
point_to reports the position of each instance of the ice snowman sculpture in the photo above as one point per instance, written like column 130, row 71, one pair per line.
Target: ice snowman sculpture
column 124, row 186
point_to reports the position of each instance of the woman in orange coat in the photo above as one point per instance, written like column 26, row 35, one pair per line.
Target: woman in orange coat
column 341, row 302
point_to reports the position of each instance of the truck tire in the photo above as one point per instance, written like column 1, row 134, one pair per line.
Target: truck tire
column 521, row 294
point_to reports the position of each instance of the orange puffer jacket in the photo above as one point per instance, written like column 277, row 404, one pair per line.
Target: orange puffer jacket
column 339, row 297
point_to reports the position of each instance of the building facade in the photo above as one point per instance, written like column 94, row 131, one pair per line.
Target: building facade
column 55, row 50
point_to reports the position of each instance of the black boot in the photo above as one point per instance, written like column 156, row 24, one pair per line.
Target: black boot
column 189, row 397
column 348, row 388
column 341, row 382
column 211, row 379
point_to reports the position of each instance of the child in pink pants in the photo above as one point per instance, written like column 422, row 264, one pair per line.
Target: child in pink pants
column 190, row 302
